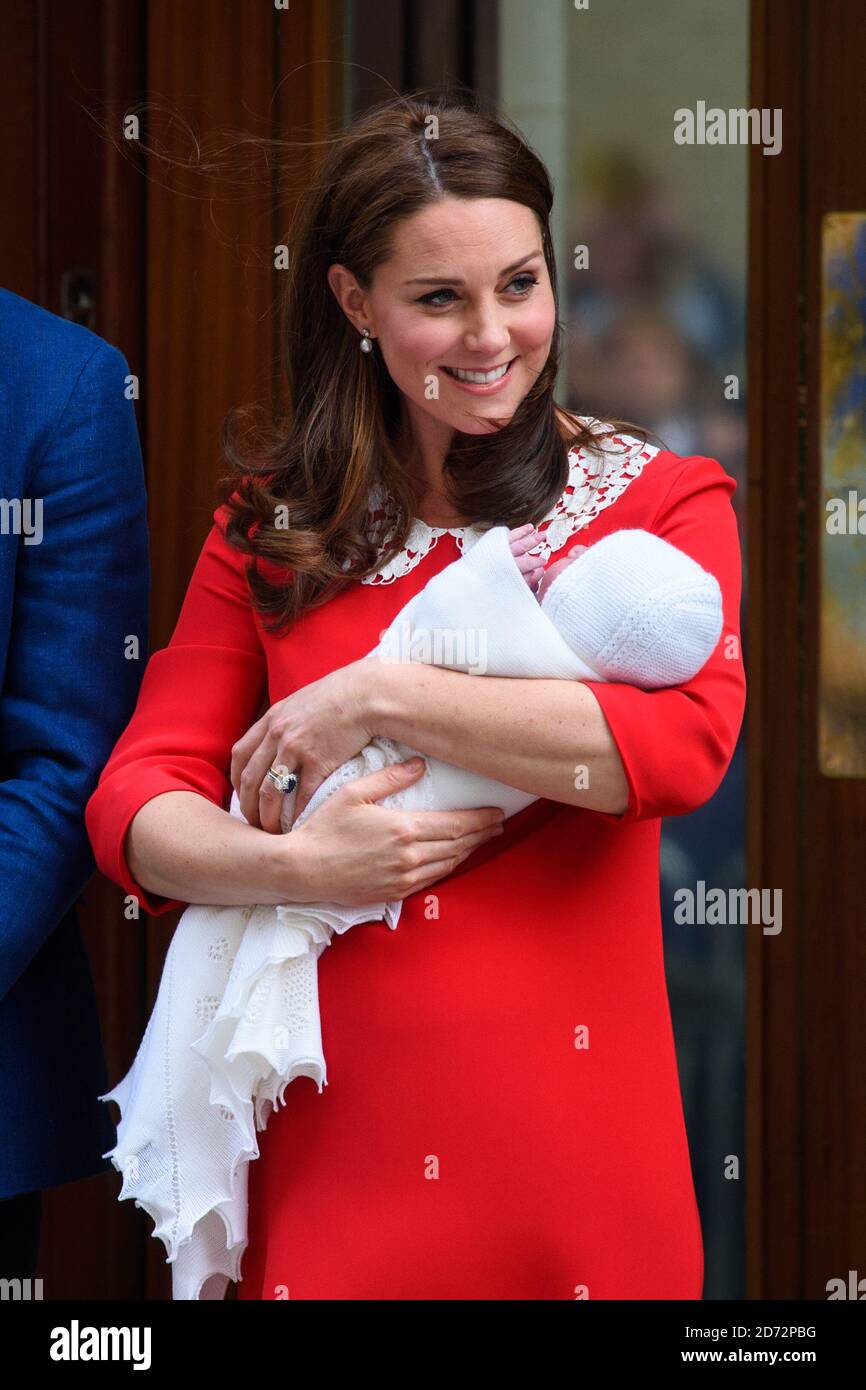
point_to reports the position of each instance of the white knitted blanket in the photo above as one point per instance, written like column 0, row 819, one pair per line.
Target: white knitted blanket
column 236, row 1017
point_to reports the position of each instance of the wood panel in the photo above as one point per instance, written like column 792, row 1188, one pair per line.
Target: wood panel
column 832, row 1049
column 78, row 207
column 776, row 714
column 212, row 290
column 806, row 1031
column 397, row 45
column 19, row 146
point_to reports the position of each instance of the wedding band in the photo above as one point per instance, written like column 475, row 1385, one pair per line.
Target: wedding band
column 283, row 780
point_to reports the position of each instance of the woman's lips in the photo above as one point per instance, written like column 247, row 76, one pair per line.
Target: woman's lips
column 477, row 388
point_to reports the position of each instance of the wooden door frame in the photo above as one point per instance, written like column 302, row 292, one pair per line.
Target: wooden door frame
column 806, row 1159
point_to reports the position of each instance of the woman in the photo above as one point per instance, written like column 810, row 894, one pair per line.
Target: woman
column 500, row 1123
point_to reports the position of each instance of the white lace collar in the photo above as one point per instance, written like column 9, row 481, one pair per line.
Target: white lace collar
column 579, row 504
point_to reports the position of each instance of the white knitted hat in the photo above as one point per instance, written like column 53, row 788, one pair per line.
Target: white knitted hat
column 633, row 604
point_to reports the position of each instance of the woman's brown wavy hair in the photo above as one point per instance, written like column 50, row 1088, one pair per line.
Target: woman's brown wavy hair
column 316, row 465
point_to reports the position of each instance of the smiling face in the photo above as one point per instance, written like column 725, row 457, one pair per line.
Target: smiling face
column 464, row 313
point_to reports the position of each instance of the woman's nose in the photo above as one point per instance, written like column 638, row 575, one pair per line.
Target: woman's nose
column 488, row 332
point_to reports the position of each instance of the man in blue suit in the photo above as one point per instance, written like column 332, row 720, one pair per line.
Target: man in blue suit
column 74, row 589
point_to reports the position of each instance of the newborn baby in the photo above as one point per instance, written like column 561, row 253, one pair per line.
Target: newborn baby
column 630, row 608
column 237, row 1013
column 635, row 608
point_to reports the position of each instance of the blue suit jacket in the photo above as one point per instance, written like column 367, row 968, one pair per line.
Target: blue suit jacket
column 69, row 598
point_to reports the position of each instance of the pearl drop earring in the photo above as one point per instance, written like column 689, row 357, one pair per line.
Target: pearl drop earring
column 366, row 344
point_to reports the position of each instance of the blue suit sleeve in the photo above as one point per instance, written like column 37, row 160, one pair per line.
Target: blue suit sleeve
column 81, row 593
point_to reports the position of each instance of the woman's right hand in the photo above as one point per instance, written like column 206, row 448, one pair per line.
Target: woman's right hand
column 352, row 851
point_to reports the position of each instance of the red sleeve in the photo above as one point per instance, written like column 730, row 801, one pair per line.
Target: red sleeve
column 676, row 744
column 197, row 697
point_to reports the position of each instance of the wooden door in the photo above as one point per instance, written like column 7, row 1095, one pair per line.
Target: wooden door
column 806, row 1048
column 178, row 271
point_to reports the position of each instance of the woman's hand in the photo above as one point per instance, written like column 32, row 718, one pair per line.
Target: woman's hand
column 311, row 732
column 355, row 852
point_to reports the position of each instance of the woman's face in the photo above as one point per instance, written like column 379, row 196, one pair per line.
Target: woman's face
column 466, row 290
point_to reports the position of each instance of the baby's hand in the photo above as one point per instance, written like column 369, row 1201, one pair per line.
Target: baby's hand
column 556, row 568
column 521, row 539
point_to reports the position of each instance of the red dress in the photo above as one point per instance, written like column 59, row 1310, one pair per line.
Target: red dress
column 502, row 1118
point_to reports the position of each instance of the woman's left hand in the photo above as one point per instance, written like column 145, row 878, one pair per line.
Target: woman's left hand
column 311, row 733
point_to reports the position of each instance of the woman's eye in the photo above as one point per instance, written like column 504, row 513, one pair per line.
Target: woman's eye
column 433, row 297
column 524, row 282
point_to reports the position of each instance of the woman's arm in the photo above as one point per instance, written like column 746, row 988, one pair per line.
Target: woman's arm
column 184, row 848
column 646, row 753
column 195, row 696
column 351, row 851
column 534, row 735
column 608, row 747
column 157, row 821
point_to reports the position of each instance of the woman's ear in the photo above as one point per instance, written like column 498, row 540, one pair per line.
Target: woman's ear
column 349, row 295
